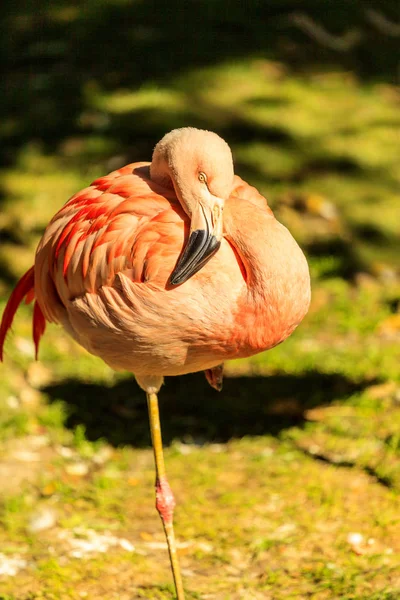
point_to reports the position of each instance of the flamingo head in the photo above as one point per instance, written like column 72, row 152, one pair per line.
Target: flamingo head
column 198, row 165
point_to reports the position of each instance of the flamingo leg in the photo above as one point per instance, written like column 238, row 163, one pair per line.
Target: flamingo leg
column 165, row 501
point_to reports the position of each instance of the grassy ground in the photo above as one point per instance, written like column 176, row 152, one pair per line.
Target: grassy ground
column 287, row 483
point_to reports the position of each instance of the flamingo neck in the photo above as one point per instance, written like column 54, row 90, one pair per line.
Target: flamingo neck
column 277, row 278
column 160, row 172
column 246, row 227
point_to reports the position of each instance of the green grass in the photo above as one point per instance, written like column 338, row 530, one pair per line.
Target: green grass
column 301, row 450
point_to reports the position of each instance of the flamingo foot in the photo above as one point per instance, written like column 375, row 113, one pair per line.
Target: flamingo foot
column 215, row 377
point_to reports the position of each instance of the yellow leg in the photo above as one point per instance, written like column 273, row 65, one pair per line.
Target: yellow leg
column 165, row 502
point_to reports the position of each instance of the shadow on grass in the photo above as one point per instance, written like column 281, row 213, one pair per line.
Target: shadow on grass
column 191, row 410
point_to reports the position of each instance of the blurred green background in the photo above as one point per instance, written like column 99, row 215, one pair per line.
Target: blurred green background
column 287, row 482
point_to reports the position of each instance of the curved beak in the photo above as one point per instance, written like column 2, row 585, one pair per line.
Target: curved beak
column 204, row 240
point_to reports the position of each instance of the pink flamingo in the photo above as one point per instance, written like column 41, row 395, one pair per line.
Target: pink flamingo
column 167, row 268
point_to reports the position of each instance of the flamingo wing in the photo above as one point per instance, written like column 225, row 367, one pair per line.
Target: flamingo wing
column 122, row 223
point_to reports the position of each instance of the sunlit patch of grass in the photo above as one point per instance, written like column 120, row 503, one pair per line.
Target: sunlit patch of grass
column 272, row 161
column 12, row 422
column 260, row 525
column 147, row 97
column 13, row 510
column 36, row 188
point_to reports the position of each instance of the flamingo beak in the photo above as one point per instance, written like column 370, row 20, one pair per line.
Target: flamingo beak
column 204, row 240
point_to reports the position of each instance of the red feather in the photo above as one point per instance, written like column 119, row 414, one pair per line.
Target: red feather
column 39, row 326
column 24, row 287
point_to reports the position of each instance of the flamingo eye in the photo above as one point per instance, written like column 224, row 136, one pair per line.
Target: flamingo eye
column 202, row 177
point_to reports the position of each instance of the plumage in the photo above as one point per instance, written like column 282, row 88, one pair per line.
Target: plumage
column 106, row 265
column 102, row 270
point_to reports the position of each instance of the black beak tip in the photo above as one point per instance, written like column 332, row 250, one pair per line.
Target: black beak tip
column 198, row 251
column 174, row 279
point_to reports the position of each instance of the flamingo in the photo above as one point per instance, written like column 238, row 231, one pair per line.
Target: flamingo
column 167, row 268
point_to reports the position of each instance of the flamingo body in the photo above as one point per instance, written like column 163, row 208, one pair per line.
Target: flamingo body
column 103, row 265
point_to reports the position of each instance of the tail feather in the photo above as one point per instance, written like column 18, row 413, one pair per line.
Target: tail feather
column 30, row 296
column 23, row 289
column 39, row 326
